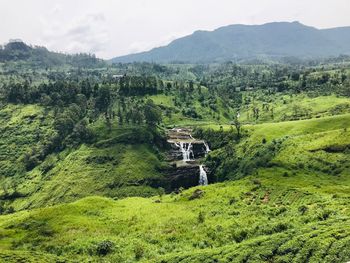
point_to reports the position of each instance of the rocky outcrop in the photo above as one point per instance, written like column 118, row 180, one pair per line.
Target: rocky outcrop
column 183, row 177
column 179, row 177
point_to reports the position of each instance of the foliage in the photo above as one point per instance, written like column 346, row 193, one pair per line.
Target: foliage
column 84, row 153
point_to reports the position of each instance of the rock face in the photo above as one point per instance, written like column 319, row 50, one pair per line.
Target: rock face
column 185, row 177
column 184, row 156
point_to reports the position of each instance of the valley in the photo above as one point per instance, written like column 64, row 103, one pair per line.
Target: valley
column 145, row 162
column 263, row 216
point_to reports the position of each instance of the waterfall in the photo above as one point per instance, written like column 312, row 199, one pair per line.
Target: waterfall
column 186, row 149
column 203, row 179
column 184, row 142
column 207, row 149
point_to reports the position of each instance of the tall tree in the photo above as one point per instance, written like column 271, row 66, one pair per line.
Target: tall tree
column 152, row 112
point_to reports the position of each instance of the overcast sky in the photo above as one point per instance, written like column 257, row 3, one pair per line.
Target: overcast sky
column 111, row 28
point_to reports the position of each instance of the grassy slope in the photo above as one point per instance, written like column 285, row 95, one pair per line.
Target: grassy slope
column 286, row 213
column 21, row 127
column 113, row 167
column 237, row 220
column 315, row 146
column 283, row 107
column 117, row 171
column 271, row 131
column 207, row 115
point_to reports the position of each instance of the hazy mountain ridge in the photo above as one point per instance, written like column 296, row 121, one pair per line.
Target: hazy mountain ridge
column 235, row 42
column 17, row 50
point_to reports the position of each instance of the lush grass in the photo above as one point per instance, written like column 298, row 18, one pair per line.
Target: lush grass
column 21, row 129
column 295, row 128
column 316, row 146
column 117, row 171
column 282, row 107
column 291, row 128
column 261, row 218
column 272, row 108
column 121, row 162
column 283, row 212
column 164, row 100
column 205, row 113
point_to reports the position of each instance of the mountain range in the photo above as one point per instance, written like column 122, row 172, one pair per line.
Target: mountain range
column 239, row 42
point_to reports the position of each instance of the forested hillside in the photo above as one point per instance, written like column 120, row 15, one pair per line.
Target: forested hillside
column 37, row 57
column 89, row 171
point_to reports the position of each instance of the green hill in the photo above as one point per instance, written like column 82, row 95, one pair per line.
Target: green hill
column 17, row 51
column 121, row 162
column 281, row 212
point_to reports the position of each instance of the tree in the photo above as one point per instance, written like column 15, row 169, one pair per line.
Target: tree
column 64, row 125
column 152, row 112
column 103, row 100
column 120, row 116
column 256, row 113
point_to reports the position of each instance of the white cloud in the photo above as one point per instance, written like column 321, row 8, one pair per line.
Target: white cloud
column 140, row 46
column 84, row 34
column 117, row 27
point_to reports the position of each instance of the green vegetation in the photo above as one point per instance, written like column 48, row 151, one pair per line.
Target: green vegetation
column 259, row 218
column 19, row 54
column 85, row 170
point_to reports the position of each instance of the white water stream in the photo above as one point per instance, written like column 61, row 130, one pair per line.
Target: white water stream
column 186, row 149
column 203, row 179
column 207, row 149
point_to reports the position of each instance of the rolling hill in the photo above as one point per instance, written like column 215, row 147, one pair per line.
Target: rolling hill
column 282, row 213
column 237, row 42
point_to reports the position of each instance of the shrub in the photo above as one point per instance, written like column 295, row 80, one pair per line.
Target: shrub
column 303, row 209
column 10, row 210
column 232, row 201
column 198, row 193
column 105, row 247
column 280, row 227
column 240, row 235
column 139, row 251
column 201, row 217
column 324, row 215
column 256, row 182
column 160, row 192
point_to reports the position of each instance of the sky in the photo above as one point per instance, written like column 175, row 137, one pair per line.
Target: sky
column 110, row 28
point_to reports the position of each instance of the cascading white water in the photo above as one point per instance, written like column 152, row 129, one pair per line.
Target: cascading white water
column 203, row 179
column 207, row 149
column 186, row 149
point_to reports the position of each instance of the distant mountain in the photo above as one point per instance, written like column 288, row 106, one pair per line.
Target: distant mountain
column 237, row 42
column 18, row 51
